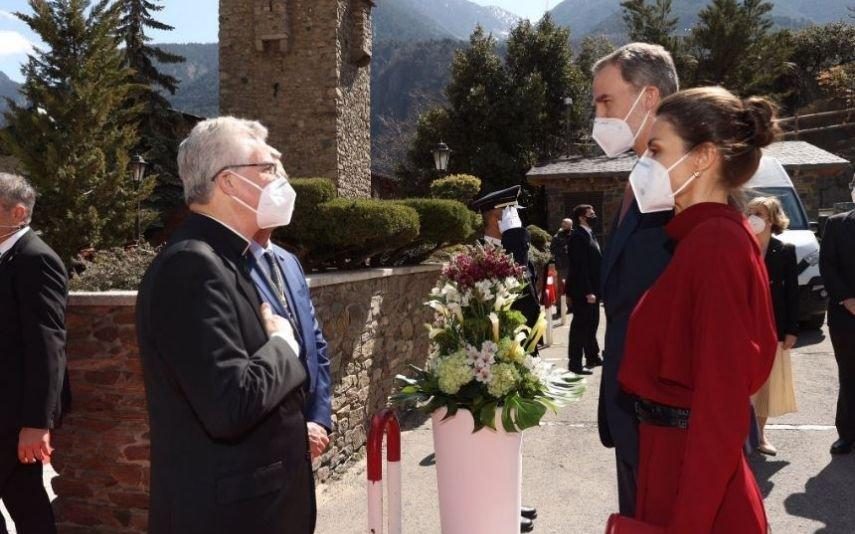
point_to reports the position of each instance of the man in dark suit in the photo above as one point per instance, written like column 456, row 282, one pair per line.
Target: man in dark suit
column 33, row 385
column 583, row 289
column 837, row 266
column 224, row 380
column 627, row 87
column 503, row 228
column 280, row 281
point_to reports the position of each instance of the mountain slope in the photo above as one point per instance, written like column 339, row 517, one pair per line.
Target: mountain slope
column 604, row 16
column 8, row 89
column 454, row 18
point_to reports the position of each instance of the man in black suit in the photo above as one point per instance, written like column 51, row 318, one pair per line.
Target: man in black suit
column 628, row 85
column 223, row 376
column 583, row 288
column 33, row 385
column 837, row 266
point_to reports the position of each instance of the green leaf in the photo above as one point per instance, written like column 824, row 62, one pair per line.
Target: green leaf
column 487, row 414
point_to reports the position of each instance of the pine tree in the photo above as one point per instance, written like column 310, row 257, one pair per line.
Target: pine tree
column 502, row 117
column 160, row 127
column 735, row 47
column 650, row 23
column 74, row 135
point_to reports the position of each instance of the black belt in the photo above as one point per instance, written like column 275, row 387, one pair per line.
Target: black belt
column 651, row 413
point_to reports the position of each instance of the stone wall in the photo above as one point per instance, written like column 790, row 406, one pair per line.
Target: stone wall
column 373, row 323
column 301, row 67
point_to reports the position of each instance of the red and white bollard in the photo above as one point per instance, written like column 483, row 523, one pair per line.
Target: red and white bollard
column 549, row 299
column 383, row 423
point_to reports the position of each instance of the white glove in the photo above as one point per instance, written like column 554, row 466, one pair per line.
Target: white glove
column 510, row 219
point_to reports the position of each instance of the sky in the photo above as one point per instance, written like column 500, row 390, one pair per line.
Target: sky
column 194, row 21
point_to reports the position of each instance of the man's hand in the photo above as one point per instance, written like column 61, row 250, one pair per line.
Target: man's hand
column 849, row 304
column 276, row 325
column 790, row 341
column 591, row 298
column 318, row 439
column 33, row 445
column 510, row 219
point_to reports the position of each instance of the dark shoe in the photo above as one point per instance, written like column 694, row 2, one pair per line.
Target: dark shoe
column 841, row 446
column 529, row 512
column 594, row 362
column 580, row 371
column 526, row 524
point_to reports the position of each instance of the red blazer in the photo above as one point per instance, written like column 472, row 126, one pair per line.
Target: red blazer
column 703, row 338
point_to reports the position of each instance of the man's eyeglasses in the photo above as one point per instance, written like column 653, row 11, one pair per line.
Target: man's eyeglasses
column 265, row 168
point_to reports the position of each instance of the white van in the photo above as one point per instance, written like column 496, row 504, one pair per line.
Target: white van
column 771, row 179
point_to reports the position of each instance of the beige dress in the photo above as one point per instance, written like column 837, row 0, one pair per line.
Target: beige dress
column 777, row 396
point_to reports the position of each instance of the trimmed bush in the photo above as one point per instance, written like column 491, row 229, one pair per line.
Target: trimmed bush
column 441, row 222
column 460, row 187
column 311, row 192
column 539, row 237
column 114, row 268
column 350, row 232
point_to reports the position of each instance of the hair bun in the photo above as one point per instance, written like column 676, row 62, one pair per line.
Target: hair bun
column 761, row 116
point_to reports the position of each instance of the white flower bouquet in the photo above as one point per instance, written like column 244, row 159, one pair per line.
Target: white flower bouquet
column 481, row 349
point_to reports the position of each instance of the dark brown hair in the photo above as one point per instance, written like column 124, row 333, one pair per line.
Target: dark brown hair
column 738, row 128
column 580, row 211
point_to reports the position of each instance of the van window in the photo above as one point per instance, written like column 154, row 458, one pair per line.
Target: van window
column 790, row 202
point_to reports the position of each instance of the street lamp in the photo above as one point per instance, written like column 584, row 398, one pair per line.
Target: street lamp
column 138, row 168
column 441, row 153
column 568, row 107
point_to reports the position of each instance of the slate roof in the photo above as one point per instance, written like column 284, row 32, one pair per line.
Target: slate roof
column 792, row 155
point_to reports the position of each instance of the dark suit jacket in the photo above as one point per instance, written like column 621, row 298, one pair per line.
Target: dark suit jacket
column 637, row 253
column 837, row 267
column 517, row 241
column 229, row 450
column 583, row 278
column 33, row 378
column 784, row 283
column 313, row 349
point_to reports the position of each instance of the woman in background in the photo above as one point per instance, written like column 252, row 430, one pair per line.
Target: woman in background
column 777, row 396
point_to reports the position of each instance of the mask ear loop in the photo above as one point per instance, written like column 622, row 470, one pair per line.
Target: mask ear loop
column 646, row 116
column 686, row 184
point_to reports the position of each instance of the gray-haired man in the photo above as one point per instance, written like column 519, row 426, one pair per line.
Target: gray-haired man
column 223, row 375
column 628, row 86
column 33, row 385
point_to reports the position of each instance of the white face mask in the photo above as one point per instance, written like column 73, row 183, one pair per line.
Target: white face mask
column 614, row 135
column 275, row 205
column 757, row 224
column 652, row 186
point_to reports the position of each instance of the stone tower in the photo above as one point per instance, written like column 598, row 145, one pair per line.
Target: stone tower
column 301, row 67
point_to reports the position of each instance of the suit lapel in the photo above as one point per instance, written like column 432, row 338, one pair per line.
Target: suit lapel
column 245, row 285
column 623, row 230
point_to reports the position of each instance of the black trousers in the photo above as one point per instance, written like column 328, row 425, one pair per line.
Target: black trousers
column 583, row 332
column 23, row 492
column 627, row 484
column 843, row 341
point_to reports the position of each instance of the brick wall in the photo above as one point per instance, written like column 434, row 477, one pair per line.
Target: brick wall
column 373, row 323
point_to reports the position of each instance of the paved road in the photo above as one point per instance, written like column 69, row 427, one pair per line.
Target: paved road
column 569, row 476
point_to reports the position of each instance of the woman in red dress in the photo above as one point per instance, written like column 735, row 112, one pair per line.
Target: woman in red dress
column 702, row 339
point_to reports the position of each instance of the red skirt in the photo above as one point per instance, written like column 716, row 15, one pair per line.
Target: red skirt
column 659, row 470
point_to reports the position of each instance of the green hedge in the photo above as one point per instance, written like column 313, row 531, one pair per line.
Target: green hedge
column 460, row 187
column 441, row 223
column 351, row 232
column 311, row 192
column 540, row 238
